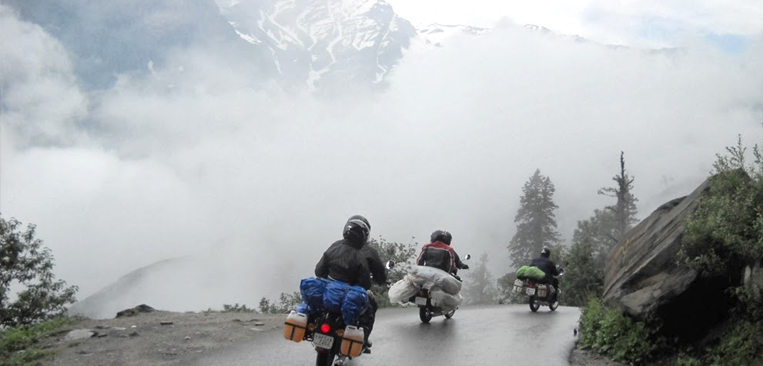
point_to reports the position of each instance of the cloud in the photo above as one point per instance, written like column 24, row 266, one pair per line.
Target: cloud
column 254, row 182
column 630, row 22
column 41, row 101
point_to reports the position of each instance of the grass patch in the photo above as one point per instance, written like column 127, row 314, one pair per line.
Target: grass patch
column 20, row 346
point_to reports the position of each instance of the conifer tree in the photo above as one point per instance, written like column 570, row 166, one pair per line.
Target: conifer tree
column 535, row 219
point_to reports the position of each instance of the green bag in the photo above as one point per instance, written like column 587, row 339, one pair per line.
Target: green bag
column 521, row 271
column 531, row 272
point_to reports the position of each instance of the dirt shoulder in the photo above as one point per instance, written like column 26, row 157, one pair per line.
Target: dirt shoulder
column 157, row 338
column 579, row 357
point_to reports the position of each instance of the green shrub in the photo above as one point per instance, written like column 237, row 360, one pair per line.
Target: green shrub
column 236, row 308
column 687, row 361
column 726, row 230
column 286, row 302
column 741, row 346
column 589, row 322
column 609, row 332
column 27, row 266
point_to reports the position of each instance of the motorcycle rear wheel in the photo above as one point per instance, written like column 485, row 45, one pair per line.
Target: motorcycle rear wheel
column 534, row 304
column 325, row 358
column 425, row 315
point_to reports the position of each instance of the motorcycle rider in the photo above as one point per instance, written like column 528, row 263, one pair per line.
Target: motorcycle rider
column 440, row 254
column 352, row 261
column 379, row 274
column 545, row 264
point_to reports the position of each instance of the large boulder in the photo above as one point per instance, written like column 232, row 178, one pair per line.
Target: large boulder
column 643, row 278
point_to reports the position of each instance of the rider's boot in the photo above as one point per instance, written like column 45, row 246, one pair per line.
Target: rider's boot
column 367, row 343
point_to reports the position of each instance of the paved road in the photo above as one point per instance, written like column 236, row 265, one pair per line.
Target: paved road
column 476, row 336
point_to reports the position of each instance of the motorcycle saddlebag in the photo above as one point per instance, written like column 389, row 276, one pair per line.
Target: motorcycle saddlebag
column 333, row 297
column 312, row 290
column 542, row 291
column 354, row 304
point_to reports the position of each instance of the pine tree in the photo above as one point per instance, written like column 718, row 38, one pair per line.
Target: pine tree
column 536, row 222
column 480, row 284
column 599, row 233
column 584, row 275
column 625, row 208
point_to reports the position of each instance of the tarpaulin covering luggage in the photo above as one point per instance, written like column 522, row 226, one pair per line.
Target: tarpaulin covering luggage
column 312, row 290
column 530, row 272
column 402, row 290
column 431, row 277
column 444, row 300
column 334, row 295
column 355, row 303
column 304, row 308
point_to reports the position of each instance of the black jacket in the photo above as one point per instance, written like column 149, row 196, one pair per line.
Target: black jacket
column 344, row 261
column 375, row 264
column 546, row 265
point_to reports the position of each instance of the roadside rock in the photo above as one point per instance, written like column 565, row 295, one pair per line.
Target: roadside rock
column 78, row 334
column 143, row 308
column 640, row 273
column 753, row 277
column 643, row 278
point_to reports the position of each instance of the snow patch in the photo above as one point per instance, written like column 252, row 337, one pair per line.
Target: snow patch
column 248, row 37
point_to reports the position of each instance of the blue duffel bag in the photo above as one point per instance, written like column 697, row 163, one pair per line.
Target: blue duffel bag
column 333, row 296
column 312, row 290
column 355, row 303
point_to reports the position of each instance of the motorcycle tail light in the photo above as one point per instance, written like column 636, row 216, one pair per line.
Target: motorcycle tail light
column 325, row 328
column 531, row 285
column 422, row 293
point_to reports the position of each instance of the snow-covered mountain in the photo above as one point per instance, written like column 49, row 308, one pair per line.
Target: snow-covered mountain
column 437, row 34
column 321, row 44
column 324, row 42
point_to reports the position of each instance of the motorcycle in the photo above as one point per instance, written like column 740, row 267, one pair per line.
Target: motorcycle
column 424, row 301
column 326, row 332
column 540, row 294
column 334, row 341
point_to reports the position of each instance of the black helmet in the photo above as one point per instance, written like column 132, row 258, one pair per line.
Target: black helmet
column 545, row 252
column 441, row 236
column 357, row 229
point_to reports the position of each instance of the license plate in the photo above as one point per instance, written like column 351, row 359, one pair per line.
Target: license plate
column 421, row 301
column 323, row 341
column 530, row 291
column 519, row 283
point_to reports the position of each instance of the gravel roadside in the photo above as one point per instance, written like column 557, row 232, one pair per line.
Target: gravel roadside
column 158, row 338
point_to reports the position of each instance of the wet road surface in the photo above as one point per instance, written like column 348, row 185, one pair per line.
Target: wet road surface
column 489, row 335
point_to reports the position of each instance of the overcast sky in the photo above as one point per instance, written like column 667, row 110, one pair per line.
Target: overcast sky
column 647, row 22
column 256, row 182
